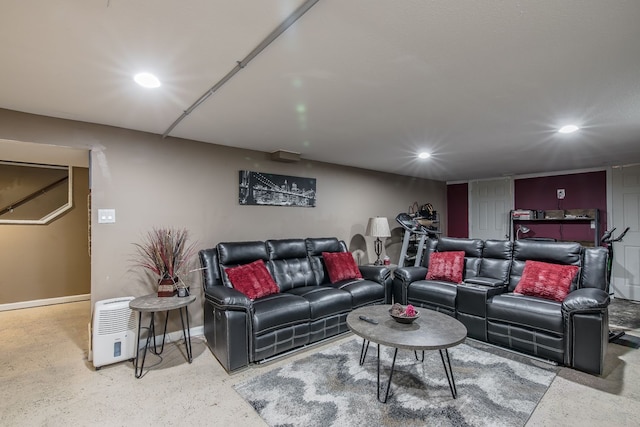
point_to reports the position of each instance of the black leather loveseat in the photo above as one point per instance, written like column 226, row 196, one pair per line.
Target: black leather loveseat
column 572, row 331
column 306, row 307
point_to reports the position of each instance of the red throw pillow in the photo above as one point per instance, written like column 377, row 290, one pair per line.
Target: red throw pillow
column 341, row 266
column 545, row 280
column 447, row 266
column 252, row 279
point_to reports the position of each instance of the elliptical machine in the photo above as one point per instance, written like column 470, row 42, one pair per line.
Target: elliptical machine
column 608, row 241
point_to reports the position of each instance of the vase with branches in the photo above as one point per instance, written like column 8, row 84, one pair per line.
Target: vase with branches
column 166, row 252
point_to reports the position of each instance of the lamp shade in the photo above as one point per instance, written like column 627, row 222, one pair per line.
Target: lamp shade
column 378, row 227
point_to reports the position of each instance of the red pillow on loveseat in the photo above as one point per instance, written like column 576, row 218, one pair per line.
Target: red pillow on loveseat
column 546, row 280
column 341, row 266
column 447, row 266
column 252, row 279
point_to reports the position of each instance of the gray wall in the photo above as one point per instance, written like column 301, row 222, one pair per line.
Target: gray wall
column 151, row 181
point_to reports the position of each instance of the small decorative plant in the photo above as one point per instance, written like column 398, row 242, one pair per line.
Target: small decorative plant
column 166, row 252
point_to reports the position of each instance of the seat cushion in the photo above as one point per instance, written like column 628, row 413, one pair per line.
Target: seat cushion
column 362, row 291
column 324, row 301
column 433, row 293
column 279, row 311
column 527, row 311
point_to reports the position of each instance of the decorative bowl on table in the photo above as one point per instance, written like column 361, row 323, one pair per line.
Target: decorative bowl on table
column 403, row 314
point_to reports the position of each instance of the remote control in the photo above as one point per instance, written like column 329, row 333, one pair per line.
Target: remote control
column 368, row 319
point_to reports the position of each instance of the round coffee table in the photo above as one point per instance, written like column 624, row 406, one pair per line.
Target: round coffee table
column 431, row 331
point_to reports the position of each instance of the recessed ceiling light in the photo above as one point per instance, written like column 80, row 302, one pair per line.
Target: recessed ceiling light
column 147, row 80
column 424, row 155
column 568, row 129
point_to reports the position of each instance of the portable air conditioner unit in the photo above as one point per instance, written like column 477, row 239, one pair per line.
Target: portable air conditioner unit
column 114, row 331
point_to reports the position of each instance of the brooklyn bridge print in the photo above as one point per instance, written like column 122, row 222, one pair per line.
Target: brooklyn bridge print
column 257, row 188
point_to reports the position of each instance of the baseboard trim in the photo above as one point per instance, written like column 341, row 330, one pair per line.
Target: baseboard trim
column 177, row 335
column 43, row 302
column 174, row 336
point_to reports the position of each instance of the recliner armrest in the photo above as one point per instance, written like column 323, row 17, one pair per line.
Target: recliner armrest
column 403, row 277
column 376, row 273
column 410, row 274
column 227, row 298
column 485, row 281
column 586, row 299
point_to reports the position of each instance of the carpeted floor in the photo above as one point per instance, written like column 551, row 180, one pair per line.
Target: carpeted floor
column 329, row 388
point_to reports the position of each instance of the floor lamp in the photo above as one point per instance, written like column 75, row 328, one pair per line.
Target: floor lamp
column 378, row 227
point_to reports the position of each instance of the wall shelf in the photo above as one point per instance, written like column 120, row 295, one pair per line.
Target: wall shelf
column 589, row 217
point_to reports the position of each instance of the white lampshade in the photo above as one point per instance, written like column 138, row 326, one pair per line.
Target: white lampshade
column 378, row 227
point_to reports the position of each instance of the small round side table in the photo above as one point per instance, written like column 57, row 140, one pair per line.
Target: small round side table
column 152, row 304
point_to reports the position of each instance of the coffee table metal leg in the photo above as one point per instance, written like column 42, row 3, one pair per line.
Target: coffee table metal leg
column 448, row 371
column 415, row 352
column 393, row 365
column 363, row 351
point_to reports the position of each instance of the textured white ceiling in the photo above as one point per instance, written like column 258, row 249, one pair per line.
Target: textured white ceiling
column 482, row 85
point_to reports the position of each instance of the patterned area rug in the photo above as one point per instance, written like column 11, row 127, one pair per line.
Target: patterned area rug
column 329, row 388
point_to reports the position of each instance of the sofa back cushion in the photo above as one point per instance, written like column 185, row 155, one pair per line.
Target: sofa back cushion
column 233, row 254
column 430, row 246
column 210, row 272
column 315, row 247
column 594, row 268
column 289, row 264
column 496, row 260
column 472, row 249
column 564, row 253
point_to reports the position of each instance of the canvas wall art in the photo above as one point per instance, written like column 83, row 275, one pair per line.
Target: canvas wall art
column 259, row 188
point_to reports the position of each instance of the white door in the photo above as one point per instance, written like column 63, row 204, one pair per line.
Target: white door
column 625, row 210
column 490, row 204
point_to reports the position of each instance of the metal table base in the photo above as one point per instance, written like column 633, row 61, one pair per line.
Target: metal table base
column 152, row 305
column 447, row 369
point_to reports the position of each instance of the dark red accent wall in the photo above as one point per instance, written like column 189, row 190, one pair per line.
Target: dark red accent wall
column 457, row 210
column 583, row 191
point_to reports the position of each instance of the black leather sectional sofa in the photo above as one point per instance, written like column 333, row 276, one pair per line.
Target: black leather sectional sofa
column 306, row 309
column 573, row 332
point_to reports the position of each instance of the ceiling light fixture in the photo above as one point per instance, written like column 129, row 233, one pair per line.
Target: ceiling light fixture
column 147, row 80
column 568, row 129
column 424, row 155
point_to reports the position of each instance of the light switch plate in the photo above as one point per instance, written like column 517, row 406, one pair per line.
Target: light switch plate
column 561, row 193
column 106, row 216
